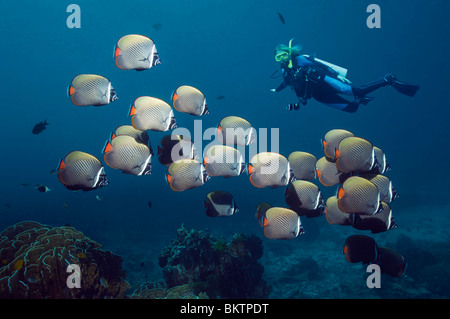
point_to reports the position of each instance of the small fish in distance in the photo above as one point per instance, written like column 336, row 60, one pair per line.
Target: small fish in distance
column 39, row 127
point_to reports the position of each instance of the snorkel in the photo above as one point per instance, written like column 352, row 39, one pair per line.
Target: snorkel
column 290, row 53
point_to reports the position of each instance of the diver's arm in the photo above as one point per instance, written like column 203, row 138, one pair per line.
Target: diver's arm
column 282, row 86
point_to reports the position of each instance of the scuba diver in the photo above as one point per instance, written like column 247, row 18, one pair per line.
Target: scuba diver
column 310, row 77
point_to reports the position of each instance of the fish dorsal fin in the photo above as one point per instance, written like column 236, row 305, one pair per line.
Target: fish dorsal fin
column 61, row 165
column 132, row 110
column 336, row 153
column 340, row 192
column 107, row 148
column 71, row 90
column 117, row 51
column 265, row 221
column 174, row 97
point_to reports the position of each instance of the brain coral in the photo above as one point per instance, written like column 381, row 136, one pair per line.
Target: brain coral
column 34, row 260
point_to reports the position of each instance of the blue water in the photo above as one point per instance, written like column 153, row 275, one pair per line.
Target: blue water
column 222, row 48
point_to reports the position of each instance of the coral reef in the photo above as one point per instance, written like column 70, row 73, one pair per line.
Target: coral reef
column 214, row 267
column 34, row 260
column 159, row 291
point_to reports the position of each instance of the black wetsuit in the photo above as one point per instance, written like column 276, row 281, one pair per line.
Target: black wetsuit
column 311, row 78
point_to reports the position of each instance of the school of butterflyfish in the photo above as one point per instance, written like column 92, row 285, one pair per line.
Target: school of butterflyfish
column 350, row 163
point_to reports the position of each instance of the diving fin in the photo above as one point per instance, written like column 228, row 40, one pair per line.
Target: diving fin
column 366, row 99
column 404, row 88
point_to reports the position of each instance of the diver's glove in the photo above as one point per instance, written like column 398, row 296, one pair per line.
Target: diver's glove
column 273, row 90
column 344, row 79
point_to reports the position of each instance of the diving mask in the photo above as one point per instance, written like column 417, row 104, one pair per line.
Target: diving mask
column 285, row 54
column 282, row 56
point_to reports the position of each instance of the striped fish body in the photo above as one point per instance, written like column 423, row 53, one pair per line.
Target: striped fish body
column 186, row 174
column 268, row 169
column 303, row 165
column 334, row 215
column 304, row 198
column 358, row 196
column 149, row 113
column 81, row 171
column 187, row 99
column 124, row 153
column 355, row 154
column 91, row 89
column 135, row 52
column 327, row 172
column 234, row 130
column 282, row 223
column 222, row 160
column 331, row 141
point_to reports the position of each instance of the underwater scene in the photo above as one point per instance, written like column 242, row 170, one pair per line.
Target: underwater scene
column 289, row 149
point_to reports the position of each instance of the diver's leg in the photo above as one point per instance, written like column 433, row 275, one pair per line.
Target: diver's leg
column 338, row 86
column 389, row 79
column 336, row 101
column 369, row 87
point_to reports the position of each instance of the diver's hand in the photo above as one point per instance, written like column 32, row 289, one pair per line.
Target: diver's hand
column 344, row 79
column 273, row 90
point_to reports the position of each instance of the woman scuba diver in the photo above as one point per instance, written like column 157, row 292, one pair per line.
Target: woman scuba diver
column 310, row 77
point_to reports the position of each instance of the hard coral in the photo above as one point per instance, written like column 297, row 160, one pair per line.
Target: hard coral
column 158, row 291
column 222, row 269
column 34, row 260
